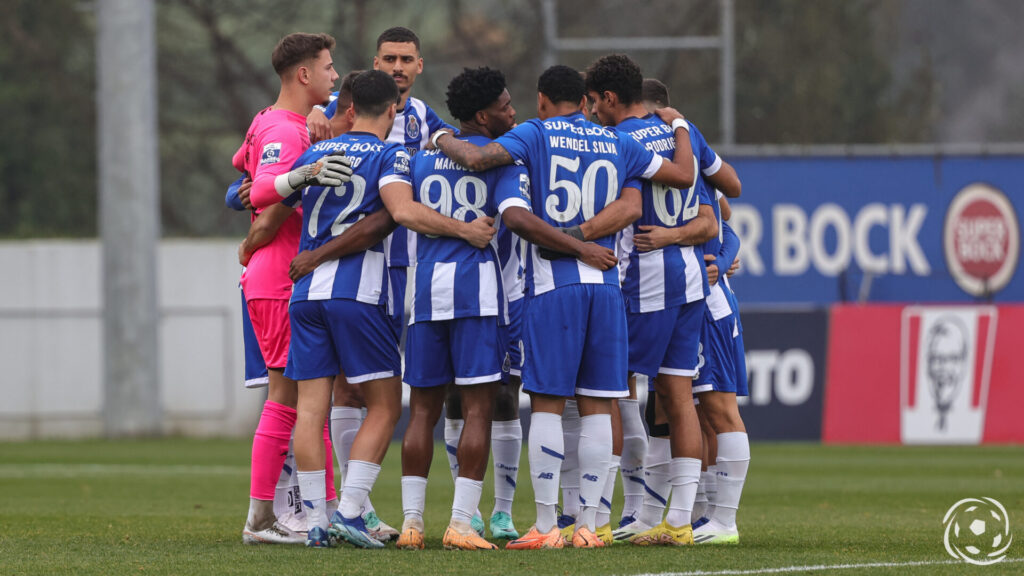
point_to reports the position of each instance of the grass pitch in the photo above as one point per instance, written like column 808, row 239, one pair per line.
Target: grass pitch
column 177, row 507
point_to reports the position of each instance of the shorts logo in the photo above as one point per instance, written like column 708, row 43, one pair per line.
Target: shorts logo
column 977, row 531
column 401, row 163
column 271, row 154
column 506, row 366
column 945, row 370
column 412, row 127
column 981, row 239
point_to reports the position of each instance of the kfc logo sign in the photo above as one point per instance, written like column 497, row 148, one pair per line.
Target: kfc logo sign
column 981, row 240
column 945, row 371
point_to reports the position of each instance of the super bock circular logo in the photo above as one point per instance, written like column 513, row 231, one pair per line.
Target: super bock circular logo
column 981, row 239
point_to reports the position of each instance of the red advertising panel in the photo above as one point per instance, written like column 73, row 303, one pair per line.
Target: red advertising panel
column 925, row 374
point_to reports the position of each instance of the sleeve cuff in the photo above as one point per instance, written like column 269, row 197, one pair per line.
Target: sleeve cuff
column 510, row 202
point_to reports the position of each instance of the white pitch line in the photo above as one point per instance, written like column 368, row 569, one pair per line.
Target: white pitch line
column 13, row 471
column 819, row 568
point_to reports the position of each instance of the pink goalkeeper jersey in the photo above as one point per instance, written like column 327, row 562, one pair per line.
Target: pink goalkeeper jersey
column 274, row 140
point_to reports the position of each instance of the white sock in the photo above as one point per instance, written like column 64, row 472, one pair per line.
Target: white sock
column 466, row 500
column 358, row 483
column 571, row 465
column 733, row 461
column 546, row 453
column 452, row 433
column 710, row 488
column 506, row 448
column 685, row 473
column 595, row 455
column 700, row 502
column 286, row 493
column 414, row 497
column 604, row 511
column 313, row 485
column 656, row 478
column 634, row 450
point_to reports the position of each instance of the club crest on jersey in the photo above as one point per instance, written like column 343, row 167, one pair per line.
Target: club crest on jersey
column 401, row 162
column 412, row 127
column 271, row 154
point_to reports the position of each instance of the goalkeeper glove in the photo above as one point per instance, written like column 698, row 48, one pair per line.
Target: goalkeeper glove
column 331, row 170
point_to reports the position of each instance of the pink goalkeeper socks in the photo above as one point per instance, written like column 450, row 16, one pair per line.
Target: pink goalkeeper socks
column 269, row 448
column 332, row 492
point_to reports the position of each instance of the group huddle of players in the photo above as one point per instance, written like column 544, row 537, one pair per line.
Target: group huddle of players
column 567, row 254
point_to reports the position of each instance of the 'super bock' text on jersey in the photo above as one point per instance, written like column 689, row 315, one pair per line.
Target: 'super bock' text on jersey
column 328, row 211
column 453, row 279
column 576, row 168
column 673, row 275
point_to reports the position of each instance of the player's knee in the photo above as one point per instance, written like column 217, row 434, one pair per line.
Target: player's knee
column 506, row 403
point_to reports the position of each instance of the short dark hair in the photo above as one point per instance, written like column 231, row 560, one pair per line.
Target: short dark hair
column 655, row 91
column 561, row 84
column 297, row 48
column 474, row 90
column 345, row 91
column 398, row 34
column 372, row 92
column 616, row 73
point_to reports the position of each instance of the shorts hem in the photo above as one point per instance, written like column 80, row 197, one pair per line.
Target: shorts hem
column 703, row 388
column 677, row 372
column 478, row 379
column 367, row 377
column 257, row 382
column 602, row 393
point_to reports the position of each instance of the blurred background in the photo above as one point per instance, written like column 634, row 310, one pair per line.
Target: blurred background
column 880, row 143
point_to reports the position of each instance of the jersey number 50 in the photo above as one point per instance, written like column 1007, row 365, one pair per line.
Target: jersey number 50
column 576, row 196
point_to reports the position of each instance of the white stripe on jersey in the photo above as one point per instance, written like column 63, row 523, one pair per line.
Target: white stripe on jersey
column 694, row 282
column 442, row 291
column 543, row 279
column 623, row 248
column 488, row 289
column 371, row 278
column 718, row 304
column 589, row 274
column 652, row 280
column 321, row 287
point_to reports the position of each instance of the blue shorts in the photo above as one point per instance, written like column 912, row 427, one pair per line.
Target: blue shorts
column 256, row 375
column 333, row 335
column 717, row 366
column 666, row 341
column 464, row 350
column 575, row 341
column 396, row 280
column 513, row 336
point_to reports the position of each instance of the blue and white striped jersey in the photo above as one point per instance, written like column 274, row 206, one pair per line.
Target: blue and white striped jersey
column 576, row 168
column 510, row 258
column 453, row 279
column 413, row 127
column 327, row 212
column 674, row 275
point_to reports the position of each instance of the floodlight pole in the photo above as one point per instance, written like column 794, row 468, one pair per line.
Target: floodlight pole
column 724, row 43
column 129, row 217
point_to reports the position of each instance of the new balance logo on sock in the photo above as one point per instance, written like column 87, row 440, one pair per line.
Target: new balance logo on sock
column 591, row 477
column 720, row 473
column 546, row 476
column 504, row 467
